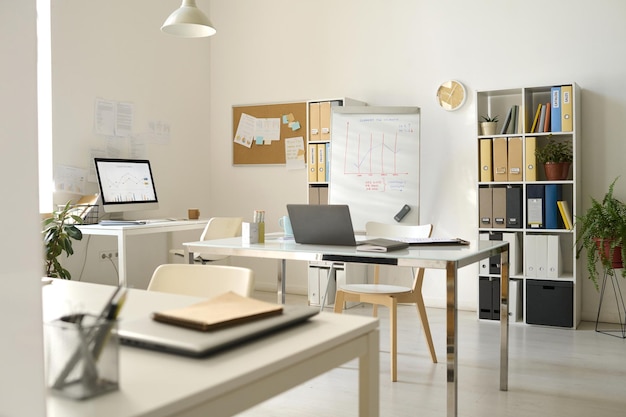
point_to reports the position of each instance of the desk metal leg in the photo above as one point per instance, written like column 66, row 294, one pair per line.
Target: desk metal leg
column 451, row 338
column 189, row 255
column 121, row 259
column 280, row 287
column 504, row 321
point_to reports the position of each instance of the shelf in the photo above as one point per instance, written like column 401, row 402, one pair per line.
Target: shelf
column 508, row 180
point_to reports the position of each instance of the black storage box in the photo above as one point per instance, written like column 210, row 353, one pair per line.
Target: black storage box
column 489, row 298
column 550, row 303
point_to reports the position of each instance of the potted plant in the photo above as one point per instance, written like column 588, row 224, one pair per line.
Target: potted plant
column 602, row 234
column 59, row 230
column 556, row 157
column 488, row 125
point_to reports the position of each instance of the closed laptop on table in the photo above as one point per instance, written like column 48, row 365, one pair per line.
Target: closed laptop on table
column 144, row 332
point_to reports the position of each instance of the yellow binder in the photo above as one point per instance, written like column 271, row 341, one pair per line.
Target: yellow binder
column 314, row 121
column 515, row 162
column 485, row 160
column 531, row 159
column 500, row 158
column 321, row 162
column 567, row 119
column 325, row 120
column 312, row 162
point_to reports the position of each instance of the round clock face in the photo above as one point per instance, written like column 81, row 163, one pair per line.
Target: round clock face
column 451, row 95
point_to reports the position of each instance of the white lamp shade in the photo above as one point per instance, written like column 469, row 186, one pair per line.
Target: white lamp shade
column 188, row 22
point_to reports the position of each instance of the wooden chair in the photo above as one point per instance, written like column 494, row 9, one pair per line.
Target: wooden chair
column 391, row 295
column 216, row 228
column 202, row 280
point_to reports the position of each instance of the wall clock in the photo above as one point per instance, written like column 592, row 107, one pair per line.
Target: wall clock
column 451, row 95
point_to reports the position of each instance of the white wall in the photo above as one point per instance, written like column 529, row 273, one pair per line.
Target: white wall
column 21, row 351
column 383, row 52
column 115, row 51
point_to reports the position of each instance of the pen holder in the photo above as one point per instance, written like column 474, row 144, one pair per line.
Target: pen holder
column 82, row 356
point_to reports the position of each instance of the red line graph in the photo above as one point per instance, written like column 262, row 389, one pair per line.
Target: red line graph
column 376, row 156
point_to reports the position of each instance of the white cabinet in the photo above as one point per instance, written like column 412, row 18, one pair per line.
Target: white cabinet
column 321, row 278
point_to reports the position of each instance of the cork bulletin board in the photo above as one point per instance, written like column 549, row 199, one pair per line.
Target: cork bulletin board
column 268, row 152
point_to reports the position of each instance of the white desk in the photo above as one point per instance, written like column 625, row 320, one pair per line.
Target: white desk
column 154, row 384
column 449, row 258
column 123, row 232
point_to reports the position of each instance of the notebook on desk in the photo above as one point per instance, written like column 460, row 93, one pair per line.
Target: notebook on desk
column 147, row 333
column 318, row 224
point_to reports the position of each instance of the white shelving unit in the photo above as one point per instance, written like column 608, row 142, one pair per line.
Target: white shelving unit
column 543, row 266
column 319, row 141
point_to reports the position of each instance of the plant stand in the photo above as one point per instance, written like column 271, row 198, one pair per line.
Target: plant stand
column 610, row 275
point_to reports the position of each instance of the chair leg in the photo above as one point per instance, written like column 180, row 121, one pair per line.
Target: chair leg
column 376, row 279
column 339, row 301
column 421, row 310
column 393, row 337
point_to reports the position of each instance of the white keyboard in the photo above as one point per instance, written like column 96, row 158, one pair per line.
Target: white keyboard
column 134, row 222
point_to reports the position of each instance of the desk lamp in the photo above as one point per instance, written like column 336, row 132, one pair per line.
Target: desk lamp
column 188, row 22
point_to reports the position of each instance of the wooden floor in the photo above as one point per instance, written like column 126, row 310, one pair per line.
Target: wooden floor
column 552, row 372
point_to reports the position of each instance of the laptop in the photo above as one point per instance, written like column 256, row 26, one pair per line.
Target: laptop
column 317, row 224
column 146, row 333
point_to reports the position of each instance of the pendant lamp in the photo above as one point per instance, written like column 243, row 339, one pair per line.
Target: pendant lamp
column 188, row 22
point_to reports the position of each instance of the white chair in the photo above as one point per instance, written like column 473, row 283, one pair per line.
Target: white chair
column 391, row 295
column 216, row 228
column 202, row 280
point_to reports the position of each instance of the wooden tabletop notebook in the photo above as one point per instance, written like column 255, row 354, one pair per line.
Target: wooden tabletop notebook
column 224, row 310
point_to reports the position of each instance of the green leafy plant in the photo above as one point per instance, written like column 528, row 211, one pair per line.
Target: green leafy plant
column 58, row 232
column 604, row 221
column 554, row 151
column 489, row 119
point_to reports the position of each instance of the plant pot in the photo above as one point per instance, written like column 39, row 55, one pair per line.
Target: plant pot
column 488, row 128
column 604, row 249
column 556, row 170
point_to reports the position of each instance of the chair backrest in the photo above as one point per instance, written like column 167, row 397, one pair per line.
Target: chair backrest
column 222, row 227
column 387, row 230
column 202, row 280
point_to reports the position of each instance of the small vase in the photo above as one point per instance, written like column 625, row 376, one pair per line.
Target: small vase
column 488, row 128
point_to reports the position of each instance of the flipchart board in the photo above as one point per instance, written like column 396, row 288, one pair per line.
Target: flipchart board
column 374, row 162
column 256, row 122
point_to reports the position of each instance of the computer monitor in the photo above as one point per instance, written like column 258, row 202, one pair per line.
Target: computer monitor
column 126, row 185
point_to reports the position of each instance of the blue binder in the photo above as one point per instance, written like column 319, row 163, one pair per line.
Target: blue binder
column 553, row 194
column 555, row 112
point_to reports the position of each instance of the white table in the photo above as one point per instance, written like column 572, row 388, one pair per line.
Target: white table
column 448, row 258
column 122, row 232
column 154, row 384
